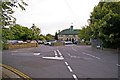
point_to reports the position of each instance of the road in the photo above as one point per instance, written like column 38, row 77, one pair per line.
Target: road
column 70, row 61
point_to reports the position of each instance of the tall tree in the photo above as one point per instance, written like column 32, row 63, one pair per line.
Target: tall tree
column 36, row 32
column 105, row 21
column 56, row 36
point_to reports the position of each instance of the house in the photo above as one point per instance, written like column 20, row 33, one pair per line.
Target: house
column 69, row 34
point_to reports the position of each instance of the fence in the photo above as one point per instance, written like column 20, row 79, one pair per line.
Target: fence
column 21, row 45
column 58, row 43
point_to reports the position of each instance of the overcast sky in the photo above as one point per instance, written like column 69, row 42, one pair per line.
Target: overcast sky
column 53, row 15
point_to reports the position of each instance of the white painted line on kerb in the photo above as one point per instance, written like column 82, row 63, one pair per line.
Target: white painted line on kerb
column 37, row 54
column 75, row 77
column 69, row 68
column 118, row 65
column 66, row 63
column 55, row 54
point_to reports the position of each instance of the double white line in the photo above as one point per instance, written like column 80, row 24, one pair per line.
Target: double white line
column 58, row 53
column 56, row 56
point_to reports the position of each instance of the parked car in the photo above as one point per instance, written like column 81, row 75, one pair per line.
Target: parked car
column 28, row 41
column 68, row 42
column 52, row 42
column 33, row 41
column 40, row 42
column 76, row 42
column 12, row 41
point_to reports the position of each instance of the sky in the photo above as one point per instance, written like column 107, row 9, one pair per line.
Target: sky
column 53, row 15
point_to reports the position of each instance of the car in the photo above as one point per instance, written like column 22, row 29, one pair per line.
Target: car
column 76, row 42
column 33, row 41
column 52, row 42
column 68, row 42
column 13, row 41
column 40, row 42
column 28, row 41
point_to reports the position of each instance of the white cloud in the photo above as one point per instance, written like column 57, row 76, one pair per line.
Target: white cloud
column 54, row 15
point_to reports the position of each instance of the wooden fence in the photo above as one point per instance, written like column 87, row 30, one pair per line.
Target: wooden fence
column 58, row 43
column 21, row 45
column 81, row 43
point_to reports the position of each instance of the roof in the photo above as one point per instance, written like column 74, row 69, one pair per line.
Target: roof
column 69, row 32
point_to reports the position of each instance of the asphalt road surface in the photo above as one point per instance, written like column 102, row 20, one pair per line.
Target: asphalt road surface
column 70, row 61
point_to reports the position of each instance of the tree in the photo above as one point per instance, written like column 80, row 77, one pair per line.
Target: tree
column 7, row 10
column 6, row 18
column 36, row 32
column 41, row 38
column 85, row 33
column 56, row 36
column 105, row 21
column 47, row 38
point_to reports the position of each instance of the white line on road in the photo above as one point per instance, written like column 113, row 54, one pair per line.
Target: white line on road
column 69, row 68
column 118, row 65
column 74, row 49
column 75, row 77
column 36, row 54
column 55, row 54
column 91, row 55
column 55, row 58
column 66, row 63
column 59, row 53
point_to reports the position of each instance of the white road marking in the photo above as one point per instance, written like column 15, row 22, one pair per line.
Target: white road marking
column 75, row 77
column 91, row 55
column 66, row 63
column 57, row 58
column 59, row 53
column 69, row 68
column 55, row 54
column 74, row 49
column 118, row 65
column 36, row 54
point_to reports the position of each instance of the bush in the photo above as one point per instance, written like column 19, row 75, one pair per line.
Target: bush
column 88, row 42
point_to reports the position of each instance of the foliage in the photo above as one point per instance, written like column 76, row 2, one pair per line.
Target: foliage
column 85, row 33
column 6, row 18
column 7, row 10
column 56, row 36
column 47, row 38
column 36, row 32
column 105, row 21
column 42, row 38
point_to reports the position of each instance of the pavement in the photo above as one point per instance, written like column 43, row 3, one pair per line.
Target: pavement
column 8, row 74
column 70, row 61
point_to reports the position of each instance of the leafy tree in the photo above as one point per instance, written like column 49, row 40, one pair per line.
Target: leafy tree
column 47, row 38
column 17, row 32
column 85, row 33
column 56, row 36
column 105, row 21
column 7, row 10
column 41, row 38
column 36, row 32
column 28, row 34
column 6, row 18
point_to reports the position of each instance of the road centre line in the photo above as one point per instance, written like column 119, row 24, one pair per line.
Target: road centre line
column 75, row 77
column 70, row 69
column 66, row 63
